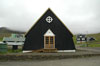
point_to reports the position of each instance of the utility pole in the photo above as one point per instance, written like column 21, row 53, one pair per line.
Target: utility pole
column 87, row 38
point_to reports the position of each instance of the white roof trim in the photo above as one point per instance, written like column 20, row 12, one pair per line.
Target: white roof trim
column 15, row 43
column 49, row 33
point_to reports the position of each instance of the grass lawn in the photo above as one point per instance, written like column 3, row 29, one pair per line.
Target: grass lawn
column 88, row 45
column 1, row 39
column 12, row 51
column 93, row 45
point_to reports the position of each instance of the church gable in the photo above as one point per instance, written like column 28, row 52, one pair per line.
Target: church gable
column 49, row 21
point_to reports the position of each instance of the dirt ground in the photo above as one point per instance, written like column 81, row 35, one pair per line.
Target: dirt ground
column 87, row 61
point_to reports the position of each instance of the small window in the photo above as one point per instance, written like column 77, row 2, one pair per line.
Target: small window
column 47, row 40
column 83, row 38
column 49, row 19
column 51, row 40
column 78, row 38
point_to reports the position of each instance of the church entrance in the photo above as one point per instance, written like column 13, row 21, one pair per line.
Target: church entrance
column 49, row 40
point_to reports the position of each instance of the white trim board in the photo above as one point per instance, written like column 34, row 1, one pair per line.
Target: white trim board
column 66, row 50
column 57, row 51
column 27, row 51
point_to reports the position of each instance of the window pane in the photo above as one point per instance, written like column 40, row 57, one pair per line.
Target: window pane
column 83, row 38
column 47, row 40
column 51, row 40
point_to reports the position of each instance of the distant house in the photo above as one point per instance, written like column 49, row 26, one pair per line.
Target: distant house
column 81, row 38
column 91, row 39
column 49, row 33
column 14, row 40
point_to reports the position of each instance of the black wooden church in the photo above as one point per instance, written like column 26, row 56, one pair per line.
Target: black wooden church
column 49, row 33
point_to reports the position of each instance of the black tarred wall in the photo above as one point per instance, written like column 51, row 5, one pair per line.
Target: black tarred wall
column 35, row 36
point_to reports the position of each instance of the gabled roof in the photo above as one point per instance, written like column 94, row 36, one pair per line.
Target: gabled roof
column 49, row 33
column 42, row 16
column 13, row 39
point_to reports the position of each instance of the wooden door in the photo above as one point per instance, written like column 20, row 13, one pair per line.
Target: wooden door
column 49, row 42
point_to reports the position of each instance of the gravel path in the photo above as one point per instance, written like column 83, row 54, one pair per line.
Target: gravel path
column 87, row 61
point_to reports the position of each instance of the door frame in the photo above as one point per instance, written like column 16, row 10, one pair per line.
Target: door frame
column 48, row 46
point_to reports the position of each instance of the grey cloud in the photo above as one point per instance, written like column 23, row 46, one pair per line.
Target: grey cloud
column 80, row 16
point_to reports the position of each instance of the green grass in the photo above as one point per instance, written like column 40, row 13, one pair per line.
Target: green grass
column 96, row 36
column 93, row 45
column 1, row 39
column 14, row 51
column 74, row 39
column 88, row 45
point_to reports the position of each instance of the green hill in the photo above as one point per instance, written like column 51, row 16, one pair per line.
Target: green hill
column 96, row 36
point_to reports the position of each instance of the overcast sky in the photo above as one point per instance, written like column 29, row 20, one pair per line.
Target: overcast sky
column 80, row 16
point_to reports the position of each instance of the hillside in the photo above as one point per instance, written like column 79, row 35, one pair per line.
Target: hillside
column 5, row 32
column 96, row 36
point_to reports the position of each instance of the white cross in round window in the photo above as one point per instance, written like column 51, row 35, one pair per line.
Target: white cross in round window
column 49, row 19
